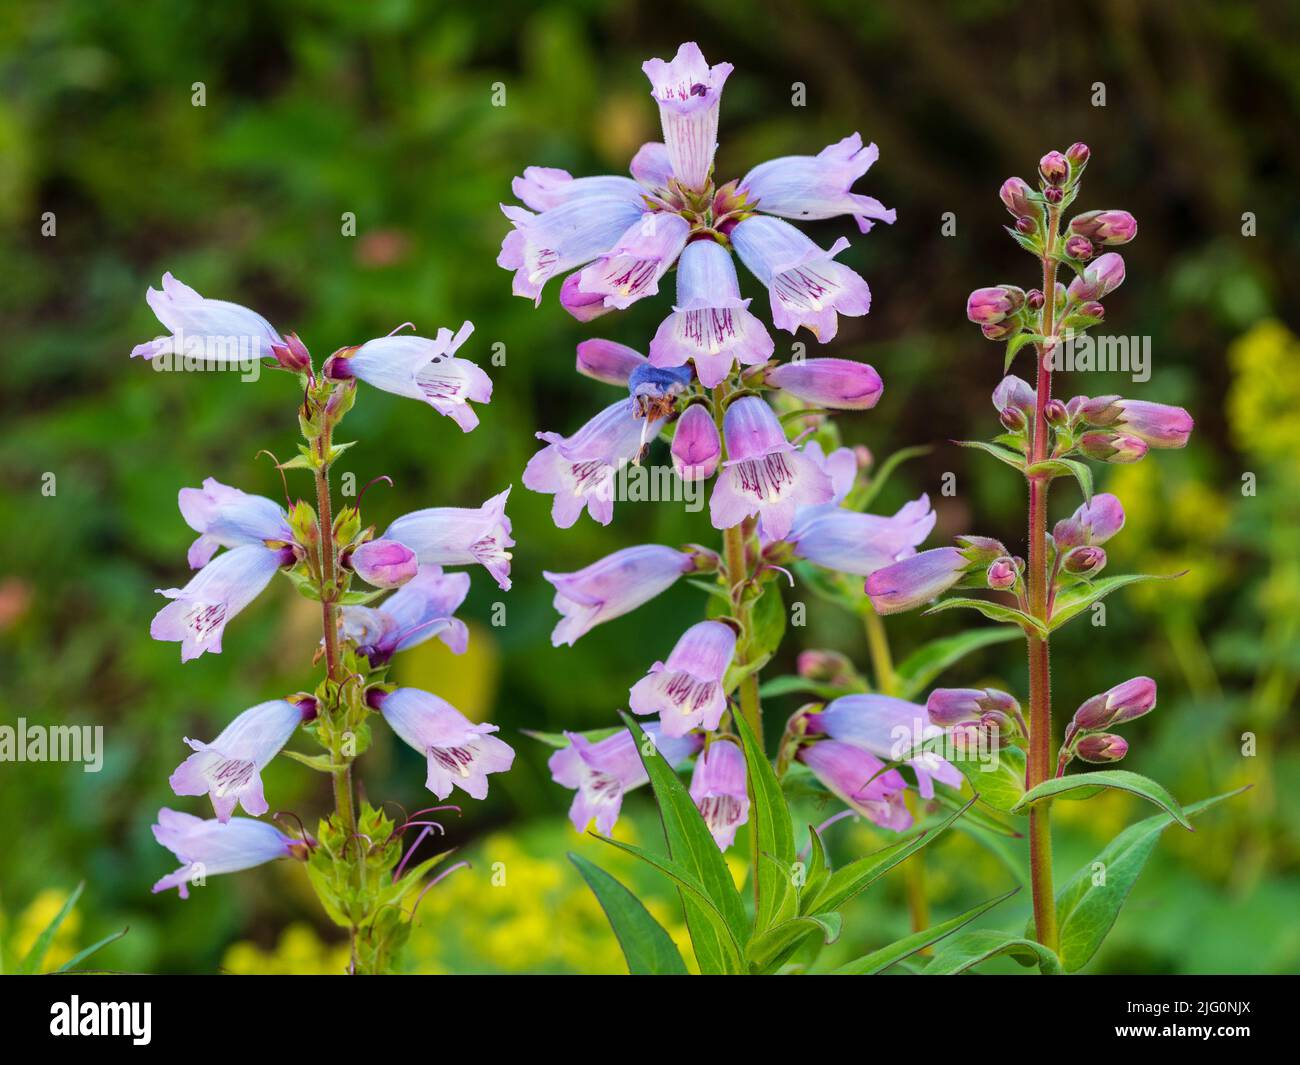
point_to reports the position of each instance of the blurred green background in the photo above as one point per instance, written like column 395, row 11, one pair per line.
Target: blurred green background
column 315, row 108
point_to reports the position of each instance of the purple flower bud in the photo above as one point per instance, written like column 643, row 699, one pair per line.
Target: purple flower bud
column 1124, row 702
column 1014, row 393
column 1089, row 313
column 384, row 563
column 1015, row 197
column 1026, row 225
column 840, row 384
column 1079, row 248
column 1053, row 168
column 1055, row 413
column 830, row 667
column 584, row 306
column 989, row 306
column 1012, row 419
column 1104, row 227
column 1158, row 424
column 292, row 354
column 1002, row 574
column 608, row 362
column 953, row 706
column 1101, row 747
column 697, row 448
column 719, row 789
column 1092, row 523
column 1100, row 277
column 915, row 580
column 1054, row 194
column 1034, row 299
column 1112, row 447
column 1000, row 331
column 1077, row 154
column 1084, row 561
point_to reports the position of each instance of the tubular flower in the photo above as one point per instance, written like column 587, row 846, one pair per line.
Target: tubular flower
column 631, row 269
column 696, row 447
column 855, row 776
column 686, row 691
column 915, row 580
column 608, row 362
column 427, row 370
column 207, row 329
column 718, row 786
column 603, row 772
column 840, row 384
column 852, row 542
column 197, row 615
column 208, row 848
column 689, row 93
column 229, row 769
column 579, row 470
column 460, row 536
column 422, row 608
column 459, row 752
column 710, row 324
column 226, row 517
column 764, row 473
column 612, row 587
column 384, row 563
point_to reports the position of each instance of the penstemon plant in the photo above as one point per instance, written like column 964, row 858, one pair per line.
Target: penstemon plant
column 1046, row 439
column 783, row 494
column 359, row 862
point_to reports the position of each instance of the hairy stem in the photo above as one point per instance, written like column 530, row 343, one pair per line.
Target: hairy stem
column 1039, row 761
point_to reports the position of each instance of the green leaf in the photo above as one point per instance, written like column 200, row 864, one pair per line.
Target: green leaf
column 32, row 962
column 82, row 955
column 845, row 883
column 841, row 589
column 648, row 948
column 880, row 960
column 1000, row 785
column 766, row 625
column 360, row 598
column 1074, row 601
column 819, row 868
column 713, row 588
column 792, row 684
column 304, row 582
column 1086, row 911
column 693, row 892
column 967, row 950
column 1080, row 471
column 860, row 499
column 916, row 671
column 1015, row 344
column 769, row 821
column 1002, row 454
column 1091, row 783
column 691, row 846
column 769, row 950
column 319, row 762
column 991, row 610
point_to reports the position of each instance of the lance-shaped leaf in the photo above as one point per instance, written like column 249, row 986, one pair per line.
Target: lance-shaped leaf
column 1080, row 471
column 968, row 949
column 1074, row 600
column 768, row 951
column 993, row 611
column 845, row 883
column 1088, row 905
column 915, row 672
column 31, row 962
column 864, row 495
column 691, row 846
column 880, row 960
column 1012, row 458
column 1086, row 785
column 769, row 822
column 1015, row 344
column 648, row 948
column 94, row 948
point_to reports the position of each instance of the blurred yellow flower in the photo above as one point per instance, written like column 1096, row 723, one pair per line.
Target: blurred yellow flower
column 300, row 951
column 36, row 918
column 1265, row 394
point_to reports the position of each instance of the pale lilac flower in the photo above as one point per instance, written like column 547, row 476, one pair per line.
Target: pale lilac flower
column 1091, row 524
column 198, row 613
column 719, row 789
column 807, row 287
column 542, row 188
column 208, row 848
column 689, row 93
column 612, row 587
column 764, row 473
column 418, row 368
column 603, row 772
column 686, row 691
column 384, row 563
column 915, row 580
column 852, row 542
column 891, row 729
column 422, row 608
column 710, row 324
column 229, row 769
column 840, row 384
column 203, row 328
column 841, row 466
column 607, row 361
column 583, row 306
column 459, row 752
column 810, row 187
column 696, row 447
column 460, row 536
column 1014, row 393
column 226, row 517
column 859, row 779
column 631, row 269
column 579, row 470
column 563, row 238
column 651, row 166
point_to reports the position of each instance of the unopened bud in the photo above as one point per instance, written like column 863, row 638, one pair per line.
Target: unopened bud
column 1013, row 419
column 1112, row 447
column 1034, row 299
column 1055, row 413
column 1084, row 561
column 1105, row 227
column 1077, row 154
column 989, row 306
column 1015, row 197
column 1053, row 168
column 1101, row 747
column 292, row 354
column 1000, row 331
column 1053, row 194
column 829, row 667
column 1079, row 248
column 1026, row 225
column 1124, row 702
column 1002, row 574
